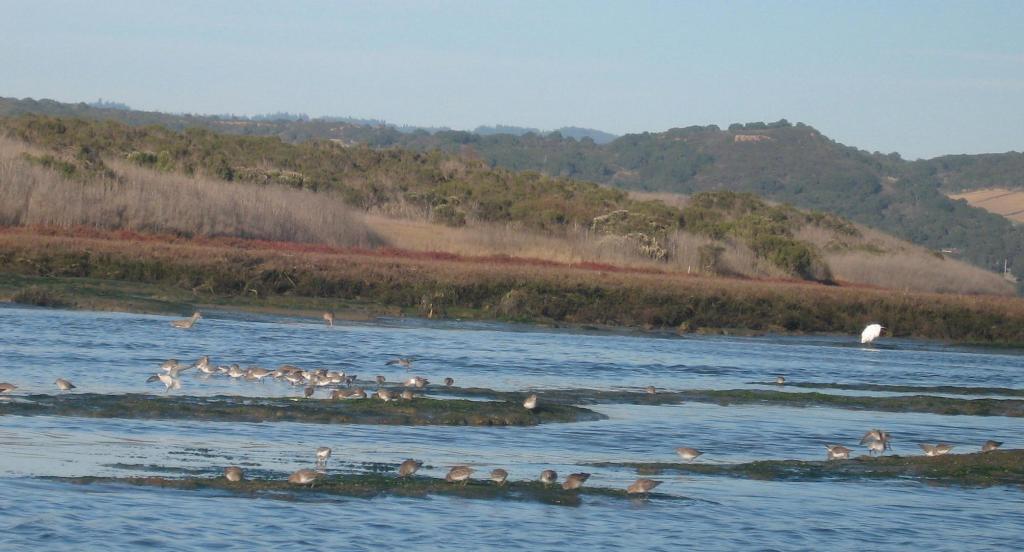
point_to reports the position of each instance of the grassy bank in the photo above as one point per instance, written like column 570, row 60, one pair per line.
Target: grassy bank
column 259, row 275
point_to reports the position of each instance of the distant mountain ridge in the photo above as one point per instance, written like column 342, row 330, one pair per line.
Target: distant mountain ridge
column 779, row 161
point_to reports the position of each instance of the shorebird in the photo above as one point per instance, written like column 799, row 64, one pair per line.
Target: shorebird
column 210, row 370
column 650, row 390
column 780, row 380
column 548, row 477
column 380, row 380
column 877, row 441
column 257, row 374
column 64, row 385
column 169, row 381
column 304, row 477
column 499, row 476
column 385, row 395
column 7, row 387
column 407, row 395
column 322, row 455
column 358, row 393
column 188, row 322
column 235, row 371
column 642, row 486
column 688, row 454
column 936, row 450
column 328, row 317
column 459, row 473
column 530, row 403
column 448, row 382
column 417, row 382
column 838, row 452
column 173, row 368
column 408, row 467
column 404, row 362
column 575, row 481
column 233, row 474
column 871, row 333
column 308, row 391
column 990, row 445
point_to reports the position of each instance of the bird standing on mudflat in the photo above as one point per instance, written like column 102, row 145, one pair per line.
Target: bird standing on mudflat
column 548, row 477
column 499, row 476
column 651, row 390
column 575, row 481
column 328, row 317
column 642, row 486
column 323, row 454
column 838, row 452
column 448, row 382
column 408, row 467
column 7, row 387
column 991, row 445
column 304, row 477
column 233, row 474
column 64, row 385
column 530, row 403
column 936, row 450
column 459, row 473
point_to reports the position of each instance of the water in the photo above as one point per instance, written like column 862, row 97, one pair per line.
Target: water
column 114, row 353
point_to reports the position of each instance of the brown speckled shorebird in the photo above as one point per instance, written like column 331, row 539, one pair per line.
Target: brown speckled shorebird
column 459, row 473
column 548, row 477
column 328, row 317
column 936, row 450
column 530, row 403
column 417, row 382
column 651, row 390
column 780, row 380
column 408, row 467
column 169, row 381
column 233, row 474
column 575, row 481
column 499, row 476
column 7, row 387
column 381, row 380
column 838, row 452
column 304, row 477
column 64, row 385
column 448, row 382
column 688, row 454
column 188, row 322
column 407, row 395
column 385, row 395
column 308, row 391
column 642, row 486
column 990, row 445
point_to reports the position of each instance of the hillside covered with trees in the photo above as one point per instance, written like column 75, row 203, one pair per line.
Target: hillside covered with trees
column 780, row 161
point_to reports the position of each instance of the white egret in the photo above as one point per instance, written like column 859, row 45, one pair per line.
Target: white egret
column 871, row 333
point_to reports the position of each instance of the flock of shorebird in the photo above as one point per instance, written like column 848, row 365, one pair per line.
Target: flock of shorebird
column 343, row 386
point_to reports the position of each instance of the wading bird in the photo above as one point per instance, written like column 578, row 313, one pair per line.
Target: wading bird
column 838, row 452
column 642, row 486
column 408, row 467
column 233, row 474
column 871, row 333
column 188, row 322
column 64, row 385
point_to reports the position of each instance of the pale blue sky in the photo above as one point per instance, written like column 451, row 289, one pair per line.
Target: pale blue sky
column 920, row 78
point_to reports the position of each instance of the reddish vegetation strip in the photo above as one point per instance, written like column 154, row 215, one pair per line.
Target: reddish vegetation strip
column 293, row 247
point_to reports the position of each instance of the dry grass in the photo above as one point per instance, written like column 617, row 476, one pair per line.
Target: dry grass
column 1008, row 203
column 880, row 260
column 148, row 201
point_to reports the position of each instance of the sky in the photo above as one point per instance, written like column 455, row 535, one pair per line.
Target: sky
column 918, row 78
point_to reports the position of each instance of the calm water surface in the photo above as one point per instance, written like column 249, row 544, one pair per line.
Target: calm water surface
column 114, row 353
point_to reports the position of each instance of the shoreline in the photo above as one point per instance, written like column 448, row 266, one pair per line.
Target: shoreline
column 159, row 277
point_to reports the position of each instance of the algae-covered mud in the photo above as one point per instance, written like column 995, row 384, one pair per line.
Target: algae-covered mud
column 417, row 411
column 977, row 469
column 910, row 403
column 942, row 389
column 374, row 485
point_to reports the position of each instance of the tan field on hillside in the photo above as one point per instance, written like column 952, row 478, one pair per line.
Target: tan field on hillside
column 1008, row 203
